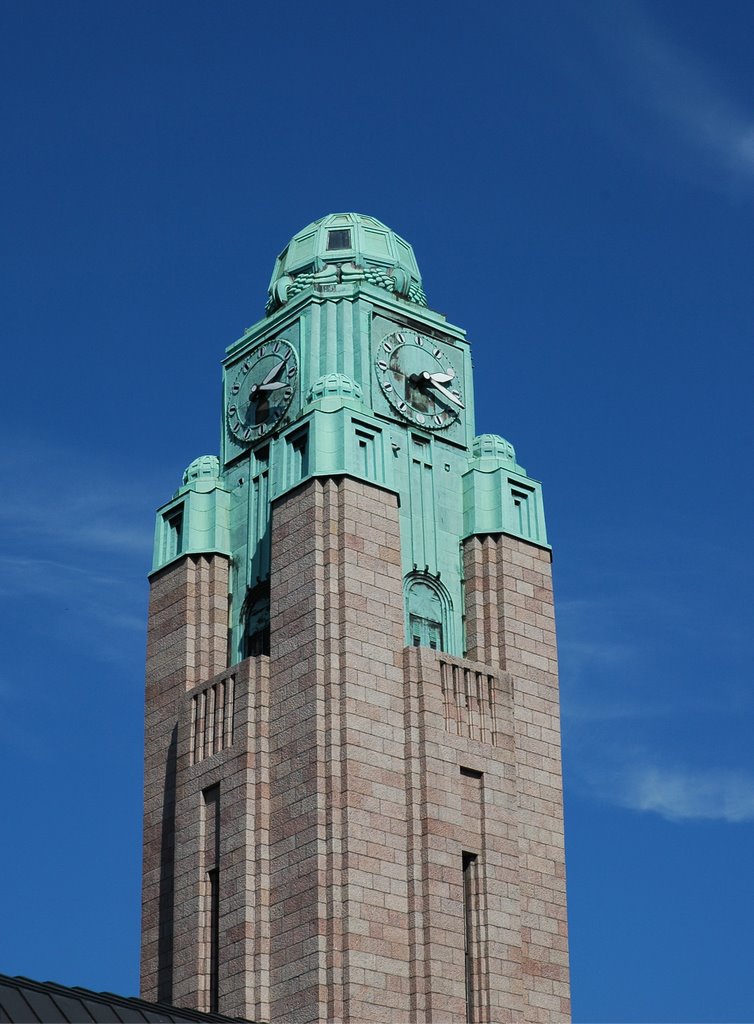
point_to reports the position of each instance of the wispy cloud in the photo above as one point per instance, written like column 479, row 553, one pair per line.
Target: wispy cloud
column 63, row 499
column 76, row 540
column 100, row 518
column 100, row 594
column 693, row 100
column 646, row 727
column 25, row 574
column 679, row 794
column 584, row 662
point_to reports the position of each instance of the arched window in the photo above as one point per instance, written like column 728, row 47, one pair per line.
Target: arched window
column 427, row 612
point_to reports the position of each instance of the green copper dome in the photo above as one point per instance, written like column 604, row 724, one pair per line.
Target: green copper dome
column 488, row 451
column 205, row 467
column 492, row 446
column 345, row 247
column 334, row 384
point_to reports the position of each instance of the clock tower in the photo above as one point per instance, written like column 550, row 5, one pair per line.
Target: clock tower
column 353, row 797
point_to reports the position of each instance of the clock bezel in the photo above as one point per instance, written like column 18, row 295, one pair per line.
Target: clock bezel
column 250, row 435
column 383, row 371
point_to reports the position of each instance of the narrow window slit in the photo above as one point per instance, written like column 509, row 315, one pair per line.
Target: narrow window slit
column 469, row 867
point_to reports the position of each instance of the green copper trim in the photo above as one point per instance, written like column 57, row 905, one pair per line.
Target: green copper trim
column 429, row 613
column 335, row 437
column 345, row 247
column 364, row 368
column 196, row 520
column 498, row 496
column 315, row 294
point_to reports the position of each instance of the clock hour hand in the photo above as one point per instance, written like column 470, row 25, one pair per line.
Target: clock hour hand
column 267, row 384
column 441, row 378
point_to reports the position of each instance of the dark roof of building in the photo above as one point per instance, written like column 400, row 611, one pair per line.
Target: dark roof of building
column 23, row 1001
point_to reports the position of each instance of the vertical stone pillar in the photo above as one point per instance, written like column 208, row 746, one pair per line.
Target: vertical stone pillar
column 485, row 614
column 462, row 803
column 338, row 835
column 186, row 642
column 221, row 939
column 510, row 622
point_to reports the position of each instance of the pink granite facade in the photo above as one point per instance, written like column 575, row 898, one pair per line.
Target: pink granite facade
column 510, row 622
column 353, row 830
column 186, row 642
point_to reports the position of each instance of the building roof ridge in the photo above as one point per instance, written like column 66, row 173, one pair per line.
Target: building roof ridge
column 12, row 1009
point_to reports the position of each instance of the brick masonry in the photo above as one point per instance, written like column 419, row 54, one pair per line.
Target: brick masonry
column 186, row 642
column 339, row 898
column 354, row 778
column 510, row 622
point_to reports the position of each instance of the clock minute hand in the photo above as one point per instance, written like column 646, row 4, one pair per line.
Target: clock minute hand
column 274, row 372
column 267, row 384
column 444, row 391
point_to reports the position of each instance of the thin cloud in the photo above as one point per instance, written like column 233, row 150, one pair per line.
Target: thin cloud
column 76, row 544
column 690, row 98
column 79, row 605
column 589, row 710
column 77, row 597
column 74, row 501
column 679, row 794
column 683, row 796
column 582, row 663
column 46, row 576
column 94, row 520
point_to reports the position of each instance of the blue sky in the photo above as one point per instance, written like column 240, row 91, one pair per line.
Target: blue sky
column 577, row 180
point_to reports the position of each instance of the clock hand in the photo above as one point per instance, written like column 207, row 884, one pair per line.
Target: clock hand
column 443, row 390
column 267, row 384
column 442, row 378
column 274, row 372
column 273, row 386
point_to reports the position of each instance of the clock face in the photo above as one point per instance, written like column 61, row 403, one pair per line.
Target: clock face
column 418, row 379
column 262, row 390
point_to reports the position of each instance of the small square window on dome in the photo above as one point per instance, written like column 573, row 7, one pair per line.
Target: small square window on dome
column 339, row 239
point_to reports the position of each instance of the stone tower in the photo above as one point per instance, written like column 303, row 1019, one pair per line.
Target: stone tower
column 353, row 799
